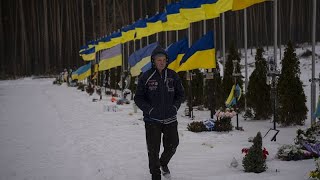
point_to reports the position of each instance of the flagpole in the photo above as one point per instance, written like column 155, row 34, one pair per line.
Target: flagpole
column 245, row 58
column 189, row 75
column 122, row 70
column 275, row 11
column 313, row 84
column 95, row 67
column 148, row 35
column 223, row 43
column 166, row 37
column 127, row 69
column 134, row 49
column 214, row 102
column 157, row 34
column 275, row 16
column 204, row 79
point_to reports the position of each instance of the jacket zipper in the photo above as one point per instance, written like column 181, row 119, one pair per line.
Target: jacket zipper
column 162, row 98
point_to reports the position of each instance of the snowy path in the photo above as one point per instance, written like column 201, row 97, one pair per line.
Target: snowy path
column 55, row 132
column 50, row 135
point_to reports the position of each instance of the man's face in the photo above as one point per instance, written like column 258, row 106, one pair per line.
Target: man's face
column 160, row 62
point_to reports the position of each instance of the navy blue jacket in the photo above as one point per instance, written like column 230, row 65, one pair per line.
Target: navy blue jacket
column 159, row 96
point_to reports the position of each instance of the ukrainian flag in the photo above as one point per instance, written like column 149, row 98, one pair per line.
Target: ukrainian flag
column 231, row 101
column 116, row 39
column 175, row 53
column 83, row 48
column 84, row 71
column 200, row 55
column 154, row 24
column 172, row 20
column 192, row 10
column 128, row 33
column 110, row 58
column 242, row 4
column 92, row 43
column 213, row 8
column 74, row 75
column 103, row 43
column 317, row 113
column 140, row 58
column 89, row 54
column 141, row 28
column 146, row 67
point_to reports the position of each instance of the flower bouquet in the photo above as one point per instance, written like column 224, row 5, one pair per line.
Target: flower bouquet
column 223, row 121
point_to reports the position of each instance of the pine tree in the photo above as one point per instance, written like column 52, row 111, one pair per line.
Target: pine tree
column 213, row 91
column 197, row 87
column 228, row 79
column 292, row 108
column 258, row 94
column 254, row 161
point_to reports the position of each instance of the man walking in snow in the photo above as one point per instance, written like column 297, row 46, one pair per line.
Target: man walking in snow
column 159, row 95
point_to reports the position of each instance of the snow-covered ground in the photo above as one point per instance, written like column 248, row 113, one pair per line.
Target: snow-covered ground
column 57, row 133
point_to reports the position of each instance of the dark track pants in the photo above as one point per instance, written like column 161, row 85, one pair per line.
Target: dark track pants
column 170, row 140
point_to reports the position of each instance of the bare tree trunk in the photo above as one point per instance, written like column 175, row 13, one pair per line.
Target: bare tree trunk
column 93, row 23
column 46, row 38
column 140, row 9
column 266, row 25
column 251, row 30
column 104, row 20
column 101, row 18
column 83, row 23
column 78, row 29
column 132, row 12
column 69, row 33
column 34, row 39
column 59, row 30
column 23, row 38
column 120, row 8
column 15, row 64
column 2, row 68
column 114, row 15
column 291, row 21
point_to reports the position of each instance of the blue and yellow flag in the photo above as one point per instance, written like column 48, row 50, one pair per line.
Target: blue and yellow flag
column 141, row 29
column 242, row 4
column 84, row 71
column 175, row 53
column 138, row 59
column 172, row 19
column 74, row 75
column 154, row 24
column 89, row 54
column 83, row 48
column 146, row 67
column 102, row 44
column 200, row 55
column 110, row 58
column 231, row 101
column 317, row 113
column 128, row 33
column 92, row 43
column 192, row 10
column 115, row 39
column 213, row 8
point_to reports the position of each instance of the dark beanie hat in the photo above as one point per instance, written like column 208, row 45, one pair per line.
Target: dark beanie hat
column 158, row 51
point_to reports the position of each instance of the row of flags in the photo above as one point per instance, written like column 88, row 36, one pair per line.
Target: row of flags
column 180, row 57
column 177, row 16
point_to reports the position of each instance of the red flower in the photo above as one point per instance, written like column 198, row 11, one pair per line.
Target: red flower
column 265, row 153
column 245, row 150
